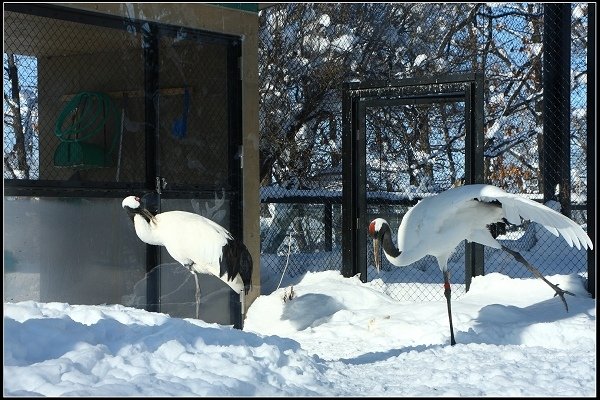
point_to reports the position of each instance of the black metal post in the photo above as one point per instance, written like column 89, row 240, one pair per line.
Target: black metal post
column 235, row 309
column 474, row 169
column 328, row 222
column 348, row 186
column 556, row 148
column 151, row 89
column 234, row 105
column 360, row 194
column 235, row 175
column 591, row 145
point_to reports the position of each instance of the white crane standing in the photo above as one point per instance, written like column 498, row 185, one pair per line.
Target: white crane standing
column 437, row 224
column 197, row 243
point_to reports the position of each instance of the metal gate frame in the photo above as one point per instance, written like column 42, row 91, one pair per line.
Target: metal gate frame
column 358, row 96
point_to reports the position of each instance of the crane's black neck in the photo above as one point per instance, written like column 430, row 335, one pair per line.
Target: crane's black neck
column 386, row 241
column 144, row 213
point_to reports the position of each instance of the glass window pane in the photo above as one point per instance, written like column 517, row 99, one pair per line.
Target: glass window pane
column 72, row 250
column 194, row 118
column 177, row 285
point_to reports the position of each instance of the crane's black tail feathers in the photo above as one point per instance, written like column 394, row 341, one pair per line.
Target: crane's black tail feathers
column 236, row 260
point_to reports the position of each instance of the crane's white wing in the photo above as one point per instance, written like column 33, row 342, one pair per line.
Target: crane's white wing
column 516, row 207
column 437, row 224
column 191, row 237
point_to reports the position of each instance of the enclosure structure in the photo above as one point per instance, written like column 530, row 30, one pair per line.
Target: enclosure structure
column 170, row 72
column 538, row 70
column 103, row 101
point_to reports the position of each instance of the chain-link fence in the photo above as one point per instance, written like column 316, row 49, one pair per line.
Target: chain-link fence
column 545, row 160
column 307, row 51
column 98, row 107
column 413, row 151
column 90, row 80
column 68, row 70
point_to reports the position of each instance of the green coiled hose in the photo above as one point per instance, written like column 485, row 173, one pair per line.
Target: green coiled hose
column 89, row 112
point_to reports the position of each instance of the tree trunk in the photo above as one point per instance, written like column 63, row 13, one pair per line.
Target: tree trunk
column 19, row 148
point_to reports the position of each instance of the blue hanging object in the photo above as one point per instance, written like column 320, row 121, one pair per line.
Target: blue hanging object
column 180, row 125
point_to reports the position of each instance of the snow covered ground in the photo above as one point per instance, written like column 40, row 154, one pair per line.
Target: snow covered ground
column 335, row 337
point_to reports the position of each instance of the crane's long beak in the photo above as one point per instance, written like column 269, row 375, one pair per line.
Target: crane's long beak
column 147, row 214
column 377, row 254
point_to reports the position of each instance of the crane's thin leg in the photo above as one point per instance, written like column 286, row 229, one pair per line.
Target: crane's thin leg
column 560, row 292
column 197, row 296
column 448, row 295
column 190, row 268
column 243, row 304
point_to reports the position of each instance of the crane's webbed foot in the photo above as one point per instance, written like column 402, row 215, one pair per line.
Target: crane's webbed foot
column 559, row 292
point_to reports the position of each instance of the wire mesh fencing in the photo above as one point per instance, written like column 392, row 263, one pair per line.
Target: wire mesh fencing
column 545, row 155
column 298, row 237
column 54, row 130
column 75, row 104
column 306, row 53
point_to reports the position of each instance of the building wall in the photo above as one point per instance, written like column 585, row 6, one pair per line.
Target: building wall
column 225, row 21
